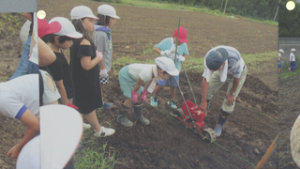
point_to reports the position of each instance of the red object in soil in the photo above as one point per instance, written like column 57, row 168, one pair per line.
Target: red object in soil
column 198, row 118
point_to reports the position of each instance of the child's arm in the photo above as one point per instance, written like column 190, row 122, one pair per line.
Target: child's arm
column 86, row 62
column 157, row 50
column 62, row 91
column 46, row 55
column 28, row 16
column 33, row 128
column 138, row 85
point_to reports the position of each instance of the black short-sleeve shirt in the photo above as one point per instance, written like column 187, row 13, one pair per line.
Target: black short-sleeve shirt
column 59, row 70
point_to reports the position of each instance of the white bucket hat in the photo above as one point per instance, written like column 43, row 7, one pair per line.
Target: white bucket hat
column 81, row 11
column 67, row 28
column 281, row 50
column 167, row 64
column 58, row 140
column 293, row 50
column 107, row 10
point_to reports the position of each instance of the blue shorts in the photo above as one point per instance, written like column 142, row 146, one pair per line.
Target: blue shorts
column 293, row 66
column 127, row 83
column 279, row 64
column 171, row 81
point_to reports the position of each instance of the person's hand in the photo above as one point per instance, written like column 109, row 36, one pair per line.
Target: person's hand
column 180, row 58
column 165, row 53
column 103, row 73
column 72, row 105
column 203, row 107
column 144, row 95
column 14, row 151
column 99, row 54
column 230, row 99
column 134, row 96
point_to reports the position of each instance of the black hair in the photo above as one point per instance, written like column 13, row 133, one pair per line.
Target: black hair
column 80, row 28
column 164, row 72
column 103, row 20
column 62, row 39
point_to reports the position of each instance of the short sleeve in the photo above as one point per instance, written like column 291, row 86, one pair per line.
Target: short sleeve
column 163, row 44
column 146, row 75
column 100, row 41
column 85, row 50
column 186, row 51
column 56, row 70
column 10, row 105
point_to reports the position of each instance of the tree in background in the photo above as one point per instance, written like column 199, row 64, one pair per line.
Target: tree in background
column 258, row 9
column 289, row 25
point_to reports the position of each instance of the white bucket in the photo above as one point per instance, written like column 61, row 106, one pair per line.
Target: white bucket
column 25, row 31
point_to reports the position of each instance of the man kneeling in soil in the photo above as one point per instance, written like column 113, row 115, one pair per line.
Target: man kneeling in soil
column 222, row 63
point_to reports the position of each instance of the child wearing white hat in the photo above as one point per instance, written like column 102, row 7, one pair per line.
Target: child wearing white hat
column 132, row 77
column 84, row 63
column 103, row 42
column 59, row 69
column 280, row 58
column 293, row 64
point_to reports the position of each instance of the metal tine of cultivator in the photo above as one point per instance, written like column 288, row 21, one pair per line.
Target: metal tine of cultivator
column 193, row 121
column 191, row 88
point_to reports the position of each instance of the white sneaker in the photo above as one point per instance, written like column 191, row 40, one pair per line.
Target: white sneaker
column 86, row 126
column 103, row 132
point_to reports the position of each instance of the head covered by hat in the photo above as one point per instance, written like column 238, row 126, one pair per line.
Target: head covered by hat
column 215, row 58
column 58, row 140
column 167, row 65
column 79, row 12
column 44, row 28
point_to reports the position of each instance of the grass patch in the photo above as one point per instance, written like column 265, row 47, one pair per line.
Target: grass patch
column 93, row 155
column 174, row 6
column 9, row 23
column 195, row 64
column 149, row 48
column 286, row 73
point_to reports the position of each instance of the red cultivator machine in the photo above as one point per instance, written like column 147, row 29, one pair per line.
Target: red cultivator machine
column 191, row 116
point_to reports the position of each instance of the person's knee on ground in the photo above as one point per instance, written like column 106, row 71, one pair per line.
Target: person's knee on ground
column 138, row 110
column 123, row 112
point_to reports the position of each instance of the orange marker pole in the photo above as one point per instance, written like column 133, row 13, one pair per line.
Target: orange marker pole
column 267, row 154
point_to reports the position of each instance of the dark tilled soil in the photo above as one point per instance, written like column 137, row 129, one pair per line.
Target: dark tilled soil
column 289, row 111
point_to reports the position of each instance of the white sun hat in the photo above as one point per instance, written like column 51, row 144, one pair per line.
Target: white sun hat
column 281, row 50
column 167, row 64
column 81, row 11
column 67, row 28
column 61, row 131
column 107, row 10
column 293, row 50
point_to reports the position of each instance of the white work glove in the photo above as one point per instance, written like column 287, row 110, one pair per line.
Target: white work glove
column 103, row 73
column 180, row 58
column 172, row 50
column 165, row 53
column 99, row 54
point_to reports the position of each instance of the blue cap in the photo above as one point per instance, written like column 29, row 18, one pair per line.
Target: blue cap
column 216, row 58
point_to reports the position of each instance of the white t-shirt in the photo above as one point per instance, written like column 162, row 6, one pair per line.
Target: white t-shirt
column 279, row 56
column 144, row 71
column 292, row 57
column 18, row 95
column 234, row 65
